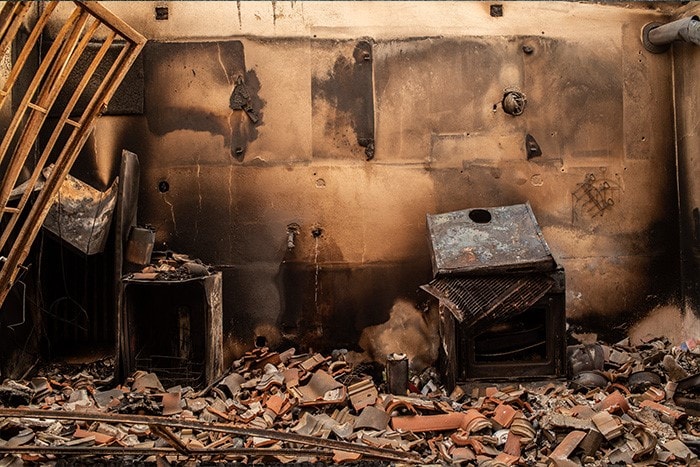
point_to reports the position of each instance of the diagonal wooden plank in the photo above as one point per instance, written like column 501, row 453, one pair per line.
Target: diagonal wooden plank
column 34, row 85
column 58, row 63
column 64, row 118
column 58, row 76
column 26, row 50
column 10, row 21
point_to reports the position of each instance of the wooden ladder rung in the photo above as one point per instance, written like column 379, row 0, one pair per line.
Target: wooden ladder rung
column 36, row 107
column 73, row 123
column 9, row 209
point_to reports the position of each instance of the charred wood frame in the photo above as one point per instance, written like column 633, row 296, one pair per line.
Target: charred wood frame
column 89, row 22
column 173, row 328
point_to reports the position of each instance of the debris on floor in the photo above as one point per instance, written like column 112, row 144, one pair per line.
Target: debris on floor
column 623, row 405
column 170, row 266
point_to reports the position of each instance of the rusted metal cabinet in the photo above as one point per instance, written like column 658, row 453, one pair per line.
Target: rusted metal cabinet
column 529, row 344
column 174, row 328
column 501, row 294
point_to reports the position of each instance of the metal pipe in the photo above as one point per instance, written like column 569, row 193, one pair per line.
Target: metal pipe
column 316, row 442
column 657, row 37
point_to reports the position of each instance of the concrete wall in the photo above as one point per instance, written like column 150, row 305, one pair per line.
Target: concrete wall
column 686, row 59
column 598, row 104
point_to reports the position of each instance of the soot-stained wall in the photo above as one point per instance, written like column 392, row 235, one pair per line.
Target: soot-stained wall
column 686, row 68
column 363, row 119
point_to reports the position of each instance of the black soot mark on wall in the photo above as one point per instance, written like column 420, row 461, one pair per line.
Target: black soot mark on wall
column 348, row 87
column 247, row 113
column 190, row 86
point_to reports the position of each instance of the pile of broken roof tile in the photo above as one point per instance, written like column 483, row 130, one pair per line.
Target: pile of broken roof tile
column 624, row 405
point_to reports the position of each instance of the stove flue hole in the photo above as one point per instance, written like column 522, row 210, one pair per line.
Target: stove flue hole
column 480, row 216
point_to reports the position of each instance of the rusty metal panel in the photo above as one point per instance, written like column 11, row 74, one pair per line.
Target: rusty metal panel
column 487, row 300
column 488, row 240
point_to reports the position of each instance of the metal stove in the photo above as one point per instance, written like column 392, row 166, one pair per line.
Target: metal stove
column 501, row 296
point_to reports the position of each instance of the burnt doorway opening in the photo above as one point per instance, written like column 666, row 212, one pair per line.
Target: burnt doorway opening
column 75, row 301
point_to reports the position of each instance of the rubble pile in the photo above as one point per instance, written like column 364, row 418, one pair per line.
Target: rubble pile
column 624, row 405
column 170, row 266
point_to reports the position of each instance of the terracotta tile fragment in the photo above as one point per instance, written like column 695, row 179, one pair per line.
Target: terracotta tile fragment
column 673, row 413
column 373, row 418
column 567, row 445
column 276, row 403
column 362, row 394
column 462, row 454
column 504, row 414
column 506, row 458
column 99, row 438
column 422, row 423
column 345, row 456
column 609, row 425
column 591, row 442
column 512, row 445
column 614, row 403
column 171, row 403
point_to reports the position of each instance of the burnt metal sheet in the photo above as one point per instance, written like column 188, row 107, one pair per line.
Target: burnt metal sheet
column 488, row 240
column 81, row 214
column 481, row 301
column 125, row 218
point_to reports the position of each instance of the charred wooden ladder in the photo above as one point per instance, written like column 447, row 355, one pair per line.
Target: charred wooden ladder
column 88, row 23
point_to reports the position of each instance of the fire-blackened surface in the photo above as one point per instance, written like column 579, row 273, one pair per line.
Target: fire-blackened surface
column 489, row 299
column 343, row 94
column 488, row 240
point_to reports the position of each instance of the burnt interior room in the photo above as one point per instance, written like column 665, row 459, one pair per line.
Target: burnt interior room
column 475, row 186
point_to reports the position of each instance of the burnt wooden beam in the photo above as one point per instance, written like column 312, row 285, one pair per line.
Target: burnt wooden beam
column 21, row 223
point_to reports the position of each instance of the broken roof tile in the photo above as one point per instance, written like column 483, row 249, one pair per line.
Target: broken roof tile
column 503, row 415
column 373, row 418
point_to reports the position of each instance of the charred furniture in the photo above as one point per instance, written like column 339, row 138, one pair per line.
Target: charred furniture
column 174, row 328
column 501, row 295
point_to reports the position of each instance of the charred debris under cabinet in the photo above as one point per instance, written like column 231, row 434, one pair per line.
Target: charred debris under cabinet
column 321, row 233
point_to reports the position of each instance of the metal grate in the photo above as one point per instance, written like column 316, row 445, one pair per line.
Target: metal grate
column 172, row 371
column 483, row 301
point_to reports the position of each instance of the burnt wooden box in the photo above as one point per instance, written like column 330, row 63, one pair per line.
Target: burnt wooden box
column 173, row 328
